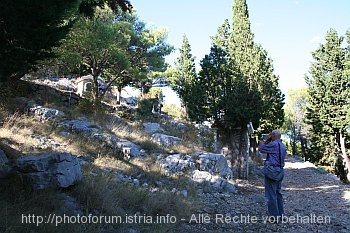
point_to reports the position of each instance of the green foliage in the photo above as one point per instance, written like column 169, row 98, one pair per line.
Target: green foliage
column 327, row 94
column 96, row 45
column 213, row 78
column 185, row 75
column 29, row 29
column 121, row 49
column 294, row 125
column 144, row 108
column 236, row 83
column 88, row 7
column 257, row 69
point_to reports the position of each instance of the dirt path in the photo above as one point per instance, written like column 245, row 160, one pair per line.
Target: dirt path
column 314, row 202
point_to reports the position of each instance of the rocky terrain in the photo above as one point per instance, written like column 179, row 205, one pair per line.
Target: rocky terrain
column 315, row 201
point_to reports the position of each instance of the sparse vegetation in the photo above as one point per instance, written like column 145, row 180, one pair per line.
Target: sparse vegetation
column 102, row 191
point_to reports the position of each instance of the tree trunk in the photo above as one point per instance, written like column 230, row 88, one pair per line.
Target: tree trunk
column 253, row 152
column 119, row 93
column 239, row 150
column 345, row 157
column 303, row 148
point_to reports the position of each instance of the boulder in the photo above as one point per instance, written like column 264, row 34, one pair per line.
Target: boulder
column 58, row 170
column 165, row 140
column 176, row 163
column 129, row 148
column 151, row 127
column 42, row 113
column 213, row 183
column 86, row 128
column 214, row 163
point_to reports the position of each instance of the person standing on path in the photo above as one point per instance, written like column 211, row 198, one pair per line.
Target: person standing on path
column 276, row 154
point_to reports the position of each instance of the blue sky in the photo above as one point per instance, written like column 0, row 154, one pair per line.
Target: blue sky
column 288, row 29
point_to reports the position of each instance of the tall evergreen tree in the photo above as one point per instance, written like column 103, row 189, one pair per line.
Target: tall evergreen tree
column 272, row 99
column 238, row 86
column 212, row 80
column 222, row 38
column 28, row 30
column 185, row 77
column 255, row 65
column 327, row 95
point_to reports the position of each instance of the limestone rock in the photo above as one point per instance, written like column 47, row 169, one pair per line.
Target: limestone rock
column 176, row 163
column 213, row 183
column 58, row 170
column 151, row 127
column 165, row 140
column 42, row 113
column 80, row 126
column 214, row 163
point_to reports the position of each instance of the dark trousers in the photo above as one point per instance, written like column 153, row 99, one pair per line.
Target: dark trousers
column 274, row 197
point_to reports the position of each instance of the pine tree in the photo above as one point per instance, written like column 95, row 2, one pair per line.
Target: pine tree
column 30, row 29
column 327, row 95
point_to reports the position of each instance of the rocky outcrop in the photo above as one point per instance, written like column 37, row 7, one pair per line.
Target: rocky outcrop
column 43, row 113
column 176, row 163
column 57, row 170
column 165, row 140
column 92, row 130
column 83, row 127
column 151, row 127
column 213, row 183
column 214, row 163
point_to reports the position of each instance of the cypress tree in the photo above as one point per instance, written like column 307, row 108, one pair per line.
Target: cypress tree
column 327, row 95
column 185, row 76
column 239, row 86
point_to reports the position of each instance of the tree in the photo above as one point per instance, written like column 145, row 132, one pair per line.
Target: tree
column 264, row 101
column 30, row 29
column 221, row 39
column 254, row 63
column 294, row 125
column 147, row 50
column 185, row 75
column 119, row 49
column 212, row 78
column 97, row 45
column 88, row 7
column 327, row 95
column 238, row 87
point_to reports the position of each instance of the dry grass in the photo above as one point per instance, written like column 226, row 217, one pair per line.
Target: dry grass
column 18, row 130
column 101, row 192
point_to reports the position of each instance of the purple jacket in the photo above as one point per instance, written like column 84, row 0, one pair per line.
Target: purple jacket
column 271, row 149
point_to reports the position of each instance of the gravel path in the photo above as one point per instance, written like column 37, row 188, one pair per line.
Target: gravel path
column 314, row 202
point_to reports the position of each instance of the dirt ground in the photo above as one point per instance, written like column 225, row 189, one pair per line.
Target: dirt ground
column 315, row 201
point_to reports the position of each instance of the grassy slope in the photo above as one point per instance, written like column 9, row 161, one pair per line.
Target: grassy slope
column 101, row 192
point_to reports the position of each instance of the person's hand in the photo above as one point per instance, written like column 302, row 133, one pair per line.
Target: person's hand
column 269, row 138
